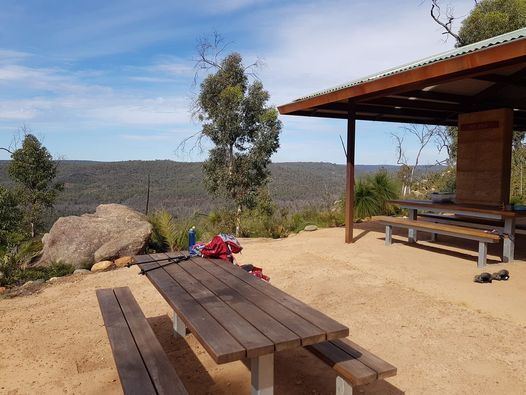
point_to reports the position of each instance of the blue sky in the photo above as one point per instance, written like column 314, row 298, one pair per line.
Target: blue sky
column 113, row 80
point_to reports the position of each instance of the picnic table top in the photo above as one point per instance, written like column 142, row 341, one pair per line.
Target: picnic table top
column 465, row 207
column 234, row 314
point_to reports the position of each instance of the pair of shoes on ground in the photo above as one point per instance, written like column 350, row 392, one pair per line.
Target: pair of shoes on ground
column 485, row 277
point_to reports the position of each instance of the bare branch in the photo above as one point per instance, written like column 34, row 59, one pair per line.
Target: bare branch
column 209, row 53
column 423, row 134
column 343, row 146
column 446, row 21
column 198, row 144
column 401, row 160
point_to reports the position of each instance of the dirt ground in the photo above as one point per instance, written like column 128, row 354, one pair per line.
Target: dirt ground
column 414, row 306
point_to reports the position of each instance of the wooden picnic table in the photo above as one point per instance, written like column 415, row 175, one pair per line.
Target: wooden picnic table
column 235, row 315
column 472, row 210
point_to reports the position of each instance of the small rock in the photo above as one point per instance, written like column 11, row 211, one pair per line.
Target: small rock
column 39, row 281
column 310, row 228
column 81, row 271
column 52, row 279
column 102, row 265
column 3, row 290
column 123, row 261
column 27, row 283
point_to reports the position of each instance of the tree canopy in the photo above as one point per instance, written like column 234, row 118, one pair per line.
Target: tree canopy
column 243, row 129
column 490, row 18
column 33, row 169
column 10, row 217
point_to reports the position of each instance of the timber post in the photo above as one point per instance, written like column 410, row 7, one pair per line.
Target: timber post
column 349, row 189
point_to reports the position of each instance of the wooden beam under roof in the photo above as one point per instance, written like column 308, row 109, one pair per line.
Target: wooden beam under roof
column 503, row 79
column 433, row 96
column 496, row 87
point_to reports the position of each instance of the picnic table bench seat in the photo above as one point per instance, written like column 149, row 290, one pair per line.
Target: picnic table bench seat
column 354, row 365
column 142, row 364
column 473, row 222
column 462, row 232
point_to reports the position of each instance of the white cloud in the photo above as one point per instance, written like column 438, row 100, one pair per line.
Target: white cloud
column 319, row 46
column 9, row 56
column 177, row 67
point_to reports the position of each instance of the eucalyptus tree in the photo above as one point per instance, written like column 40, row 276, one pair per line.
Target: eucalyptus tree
column 33, row 169
column 232, row 107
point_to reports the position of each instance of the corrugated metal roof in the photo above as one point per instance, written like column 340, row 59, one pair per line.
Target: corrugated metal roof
column 490, row 42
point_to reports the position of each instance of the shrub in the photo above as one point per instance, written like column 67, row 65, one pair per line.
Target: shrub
column 171, row 234
column 15, row 273
column 371, row 195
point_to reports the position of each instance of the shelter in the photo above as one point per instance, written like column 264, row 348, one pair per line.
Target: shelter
column 480, row 87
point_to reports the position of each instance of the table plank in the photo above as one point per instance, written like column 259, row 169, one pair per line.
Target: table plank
column 382, row 368
column 281, row 336
column 472, row 208
column 220, row 344
column 255, row 342
column 309, row 333
column 159, row 367
column 346, row 365
column 331, row 327
column 132, row 372
column 468, row 233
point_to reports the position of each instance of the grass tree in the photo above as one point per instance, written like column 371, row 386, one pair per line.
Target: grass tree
column 372, row 193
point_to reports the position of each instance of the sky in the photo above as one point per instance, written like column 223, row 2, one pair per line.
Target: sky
column 114, row 80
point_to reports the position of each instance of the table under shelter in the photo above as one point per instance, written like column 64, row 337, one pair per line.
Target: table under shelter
column 472, row 215
column 480, row 88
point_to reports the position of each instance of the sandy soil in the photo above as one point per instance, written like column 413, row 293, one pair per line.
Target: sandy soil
column 415, row 306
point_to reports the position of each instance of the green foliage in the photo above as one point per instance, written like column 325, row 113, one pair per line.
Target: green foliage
column 10, row 218
column 243, row 129
column 170, row 234
column 371, row 195
column 491, row 18
column 366, row 203
column 518, row 176
column 14, row 274
column 33, row 170
column 15, row 265
column 384, row 189
column 443, row 180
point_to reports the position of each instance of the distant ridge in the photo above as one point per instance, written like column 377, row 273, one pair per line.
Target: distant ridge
column 178, row 187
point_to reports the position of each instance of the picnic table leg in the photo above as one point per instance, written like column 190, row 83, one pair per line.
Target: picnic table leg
column 509, row 240
column 179, row 326
column 483, row 253
column 262, row 375
column 388, row 235
column 411, row 233
column 343, row 387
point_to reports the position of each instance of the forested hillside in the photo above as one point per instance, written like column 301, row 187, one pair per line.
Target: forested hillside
column 178, row 186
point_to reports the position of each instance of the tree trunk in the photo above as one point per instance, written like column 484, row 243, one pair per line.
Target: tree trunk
column 238, row 221
column 32, row 230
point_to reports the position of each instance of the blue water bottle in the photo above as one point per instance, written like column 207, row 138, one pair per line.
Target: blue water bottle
column 191, row 240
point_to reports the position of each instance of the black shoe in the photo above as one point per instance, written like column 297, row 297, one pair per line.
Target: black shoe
column 503, row 275
column 483, row 278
